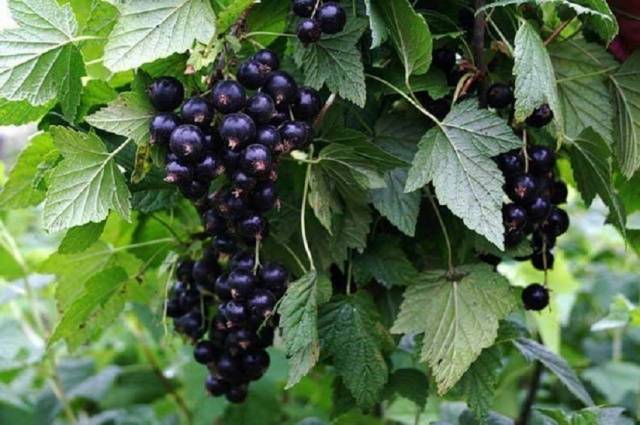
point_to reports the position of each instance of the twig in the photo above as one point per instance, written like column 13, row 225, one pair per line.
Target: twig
column 479, row 28
column 557, row 32
column 324, row 110
column 534, row 386
column 303, row 209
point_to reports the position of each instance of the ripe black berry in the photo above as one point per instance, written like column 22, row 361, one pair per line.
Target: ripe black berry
column 228, row 96
column 269, row 136
column 183, row 270
column 260, row 108
column 242, row 182
column 208, row 169
column 499, row 96
column 542, row 241
column 187, row 143
column 513, row 237
column 256, row 160
column 264, row 197
column 194, row 190
column 225, row 244
column 309, row 31
column 332, row 17
column 273, row 274
column 510, row 163
column 229, row 369
column 557, row 222
column 540, row 117
column 255, row 363
column 542, row 159
column 197, row 111
column 191, row 325
column 204, row 352
column 216, row 386
column 166, row 94
column 514, row 216
column 444, row 58
column 252, row 74
column 231, row 159
column 253, row 226
column 539, row 207
column 308, row 104
column 237, row 393
column 213, row 223
column 268, row 59
column 559, row 193
column 282, row 88
column 161, row 127
column 522, row 188
column 240, row 339
column 242, row 283
column 243, row 260
column 278, row 118
column 535, row 297
column 222, row 288
column 237, row 130
column 304, row 8
column 173, row 308
column 294, row 135
column 235, row 312
column 542, row 260
column 177, row 173
column 205, row 273
column 261, row 303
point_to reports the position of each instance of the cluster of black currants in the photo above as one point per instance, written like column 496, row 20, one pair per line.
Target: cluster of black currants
column 318, row 17
column 224, row 301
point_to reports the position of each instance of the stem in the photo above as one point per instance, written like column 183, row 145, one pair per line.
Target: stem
column 349, row 273
column 525, row 154
column 479, row 28
column 303, row 209
column 292, row 254
column 556, row 32
column 168, row 227
column 534, row 386
column 257, row 257
column 324, row 110
column 502, row 37
column 616, row 345
column 444, row 230
column 277, row 34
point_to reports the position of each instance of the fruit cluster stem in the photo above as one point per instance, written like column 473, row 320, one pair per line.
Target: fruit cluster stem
column 479, row 28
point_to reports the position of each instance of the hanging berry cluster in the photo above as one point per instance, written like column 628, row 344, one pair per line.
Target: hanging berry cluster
column 535, row 194
column 318, row 17
column 224, row 301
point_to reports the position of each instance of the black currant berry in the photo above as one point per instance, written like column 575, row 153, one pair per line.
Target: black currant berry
column 540, row 117
column 265, row 336
column 213, row 223
column 228, row 96
column 264, row 197
column 269, row 136
column 557, row 222
column 499, row 96
column 542, row 241
column 253, row 226
column 237, row 393
column 229, row 369
column 308, row 104
column 304, row 8
column 535, row 297
column 559, row 193
column 541, row 159
column 177, row 173
column 268, row 59
column 161, row 127
column 191, row 325
column 510, row 163
column 173, row 308
column 273, row 274
column 205, row 273
column 204, row 352
column 514, row 216
column 252, row 74
column 294, row 135
column 282, row 88
column 522, row 188
column 189, row 299
column 260, row 108
column 444, row 58
column 231, row 159
column 279, row 118
column 230, row 206
column 194, row 190
column 539, row 207
column 240, row 339
column 235, row 312
column 542, row 258
column 256, row 160
column 308, row 31
column 208, row 169
column 332, row 17
column 197, row 111
column 183, row 270
column 513, row 237
column 243, row 260
column 187, row 143
column 216, row 386
column 222, row 288
column 261, row 303
column 225, row 244
column 255, row 364
column 237, row 130
column 166, row 94
column 242, row 283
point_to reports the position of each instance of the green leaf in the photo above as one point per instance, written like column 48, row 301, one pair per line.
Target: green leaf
column 25, row 186
column 533, row 350
column 625, row 83
column 385, row 261
column 95, row 93
column 400, row 208
column 98, row 305
column 619, row 316
column 299, row 323
column 11, row 259
column 86, row 184
column 128, row 115
column 409, row 33
column 353, row 336
column 456, row 156
column 376, row 23
column 39, row 60
column 80, row 238
column 400, row 133
column 336, row 61
column 535, row 80
column 478, row 384
column 592, row 165
column 18, row 112
column 585, row 99
column 269, row 17
column 614, row 380
column 459, row 318
column 151, row 29
column 230, row 14
column 412, row 384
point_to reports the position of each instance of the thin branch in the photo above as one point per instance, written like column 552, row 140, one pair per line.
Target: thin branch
column 534, row 386
column 303, row 209
column 324, row 110
column 479, row 28
column 557, row 32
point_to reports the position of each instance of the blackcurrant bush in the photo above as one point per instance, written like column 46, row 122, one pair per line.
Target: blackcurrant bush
column 268, row 59
column 309, row 31
column 308, row 104
column 237, row 393
column 542, row 258
column 208, row 169
column 282, row 88
column 252, row 74
column 204, row 352
column 499, row 96
column 216, row 386
column 261, row 303
column 235, row 312
column 535, row 297
column 225, row 243
column 444, row 58
column 522, row 188
column 510, row 163
column 242, row 283
column 273, row 274
column 253, row 226
column 294, row 135
column 260, row 108
column 197, row 111
column 557, row 222
column 177, row 173
column 256, row 160
column 332, row 17
column 187, row 143
column 161, row 127
column 540, row 117
column 304, row 8
column 514, row 216
column 269, row 136
column 264, row 197
column 237, row 130
column 539, row 207
column 228, row 96
column 542, row 159
column 559, row 193
column 243, row 260
column 166, row 94
column 255, row 363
